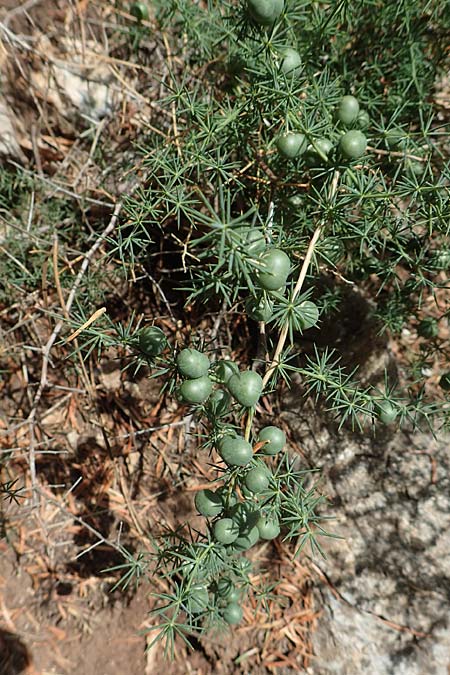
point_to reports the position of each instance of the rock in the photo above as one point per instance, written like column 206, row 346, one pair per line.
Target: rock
column 79, row 78
column 385, row 587
column 9, row 145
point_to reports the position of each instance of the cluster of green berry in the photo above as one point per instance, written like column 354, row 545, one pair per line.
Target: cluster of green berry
column 269, row 268
column 352, row 142
column 245, row 503
column 293, row 144
column 140, row 11
column 235, row 511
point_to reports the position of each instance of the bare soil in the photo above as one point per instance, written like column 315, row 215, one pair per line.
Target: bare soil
column 60, row 635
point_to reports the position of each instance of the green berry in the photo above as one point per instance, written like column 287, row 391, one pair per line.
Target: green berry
column 395, row 137
column 291, row 144
column 268, row 528
column 259, row 309
column 226, row 531
column 274, row 438
column 232, row 614
column 348, row 110
column 353, row 144
column 308, row 314
column 192, row 364
column 198, row 599
column 257, row 479
column 219, row 403
column 265, row 12
column 208, row 503
column 195, row 391
column 321, row 146
column 235, row 450
column 291, row 62
column 275, row 270
column 246, row 387
column 386, row 412
column 225, row 369
column 139, row 10
column 224, row 587
column 246, row 540
column 151, row 341
column 428, row 328
column 363, row 120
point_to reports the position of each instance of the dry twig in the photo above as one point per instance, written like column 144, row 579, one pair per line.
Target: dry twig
column 51, row 341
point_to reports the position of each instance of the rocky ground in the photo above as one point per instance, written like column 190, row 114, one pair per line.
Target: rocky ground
column 385, row 586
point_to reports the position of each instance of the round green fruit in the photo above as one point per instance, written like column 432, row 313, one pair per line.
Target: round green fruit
column 232, row 614
column 444, row 381
column 291, row 62
column 245, row 515
column 235, row 450
column 324, row 145
column 321, row 146
column 257, row 480
column 151, row 341
column 255, row 241
column 243, row 566
column 195, row 391
column 226, row 531
column 246, row 387
column 219, row 403
column 363, row 120
column 224, row 587
column 208, row 503
column 246, row 540
column 353, row 144
column 274, row 438
column 414, row 168
column 291, row 144
column 229, row 498
column 198, row 599
column 441, row 259
column 395, row 137
column 348, row 110
column 233, row 596
column 332, row 249
column 259, row 309
column 265, row 12
column 268, row 528
column 296, row 202
column 250, row 239
column 192, row 364
column 386, row 412
column 308, row 314
column 139, row 10
column 274, row 274
column 428, row 328
column 225, row 369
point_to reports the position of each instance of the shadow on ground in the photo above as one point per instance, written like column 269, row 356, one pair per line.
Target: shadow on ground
column 14, row 656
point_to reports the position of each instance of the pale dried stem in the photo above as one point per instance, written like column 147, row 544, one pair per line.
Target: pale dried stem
column 396, row 153
column 298, row 287
column 295, row 292
column 51, row 341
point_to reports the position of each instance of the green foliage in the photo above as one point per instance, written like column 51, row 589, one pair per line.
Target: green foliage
column 300, row 126
column 297, row 154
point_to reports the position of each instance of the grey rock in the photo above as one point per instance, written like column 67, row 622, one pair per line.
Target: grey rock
column 384, row 587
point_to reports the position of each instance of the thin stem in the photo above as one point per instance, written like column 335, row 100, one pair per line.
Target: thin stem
column 248, row 425
column 295, row 292
column 298, row 286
